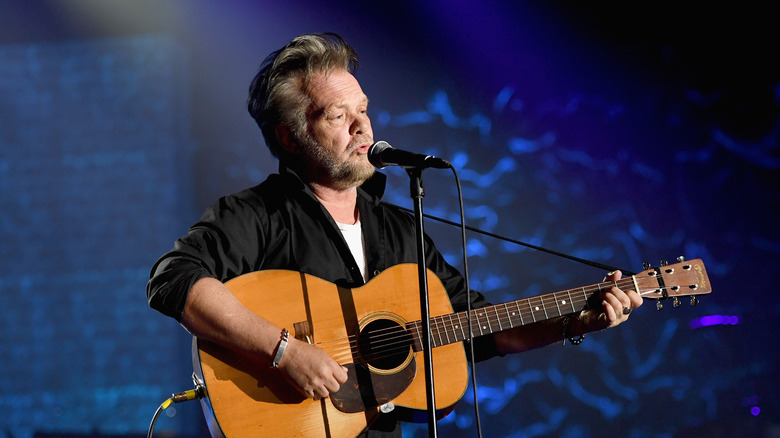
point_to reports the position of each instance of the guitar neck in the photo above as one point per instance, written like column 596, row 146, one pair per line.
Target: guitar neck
column 680, row 279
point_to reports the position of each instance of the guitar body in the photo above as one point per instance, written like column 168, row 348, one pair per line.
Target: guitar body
column 247, row 398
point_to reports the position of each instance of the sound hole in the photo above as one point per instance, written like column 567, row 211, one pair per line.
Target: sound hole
column 384, row 344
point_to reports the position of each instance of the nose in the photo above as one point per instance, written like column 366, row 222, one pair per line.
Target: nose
column 360, row 125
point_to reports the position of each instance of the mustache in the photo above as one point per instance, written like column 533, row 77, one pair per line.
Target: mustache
column 354, row 144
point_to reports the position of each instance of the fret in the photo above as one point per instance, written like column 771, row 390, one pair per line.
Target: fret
column 498, row 318
column 438, row 331
column 544, row 308
column 506, row 309
column 416, row 329
column 519, row 312
column 571, row 301
column 585, row 295
column 533, row 309
column 460, row 326
column 431, row 333
column 479, row 324
column 556, row 303
column 474, row 321
column 489, row 327
column 435, row 333
column 448, row 330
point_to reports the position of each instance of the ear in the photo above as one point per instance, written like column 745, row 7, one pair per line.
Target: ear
column 286, row 139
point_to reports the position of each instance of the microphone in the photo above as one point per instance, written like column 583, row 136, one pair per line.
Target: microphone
column 381, row 155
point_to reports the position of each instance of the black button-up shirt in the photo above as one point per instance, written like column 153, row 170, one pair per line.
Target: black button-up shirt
column 280, row 224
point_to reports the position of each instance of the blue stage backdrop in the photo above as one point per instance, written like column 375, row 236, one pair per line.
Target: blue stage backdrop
column 641, row 137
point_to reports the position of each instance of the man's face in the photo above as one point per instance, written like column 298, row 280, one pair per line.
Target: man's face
column 339, row 131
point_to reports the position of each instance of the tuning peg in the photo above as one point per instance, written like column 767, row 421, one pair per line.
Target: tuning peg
column 694, row 300
column 664, row 262
column 676, row 302
column 646, row 265
column 658, row 305
column 681, row 259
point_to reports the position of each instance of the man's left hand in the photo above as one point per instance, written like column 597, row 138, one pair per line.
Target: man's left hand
column 616, row 307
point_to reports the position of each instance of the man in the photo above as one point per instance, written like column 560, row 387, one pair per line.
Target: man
column 320, row 215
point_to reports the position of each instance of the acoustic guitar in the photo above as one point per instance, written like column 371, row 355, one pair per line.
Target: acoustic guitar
column 375, row 331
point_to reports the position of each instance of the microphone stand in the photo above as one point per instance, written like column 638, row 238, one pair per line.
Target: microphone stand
column 416, row 192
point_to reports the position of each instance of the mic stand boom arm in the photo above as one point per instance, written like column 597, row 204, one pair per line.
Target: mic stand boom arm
column 606, row 268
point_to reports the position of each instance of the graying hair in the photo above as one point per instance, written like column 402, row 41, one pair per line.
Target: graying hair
column 276, row 95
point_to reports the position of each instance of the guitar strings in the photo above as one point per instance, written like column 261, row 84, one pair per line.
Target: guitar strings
column 390, row 341
column 402, row 342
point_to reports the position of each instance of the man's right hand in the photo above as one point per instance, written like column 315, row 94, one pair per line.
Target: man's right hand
column 212, row 312
column 310, row 370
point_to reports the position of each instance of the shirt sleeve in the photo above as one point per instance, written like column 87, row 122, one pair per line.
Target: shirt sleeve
column 225, row 242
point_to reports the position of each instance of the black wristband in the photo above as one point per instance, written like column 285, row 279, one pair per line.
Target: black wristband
column 567, row 332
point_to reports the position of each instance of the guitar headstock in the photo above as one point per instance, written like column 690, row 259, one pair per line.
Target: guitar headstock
column 683, row 279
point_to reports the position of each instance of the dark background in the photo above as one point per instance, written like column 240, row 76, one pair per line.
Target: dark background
column 621, row 134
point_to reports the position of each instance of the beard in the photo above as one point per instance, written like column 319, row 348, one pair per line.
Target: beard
column 327, row 168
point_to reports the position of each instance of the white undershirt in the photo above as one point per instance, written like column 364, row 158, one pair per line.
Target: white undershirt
column 353, row 234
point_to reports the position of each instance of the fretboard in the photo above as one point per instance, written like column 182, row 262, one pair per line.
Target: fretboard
column 454, row 327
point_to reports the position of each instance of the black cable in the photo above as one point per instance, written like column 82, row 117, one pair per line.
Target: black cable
column 468, row 302
column 157, row 413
